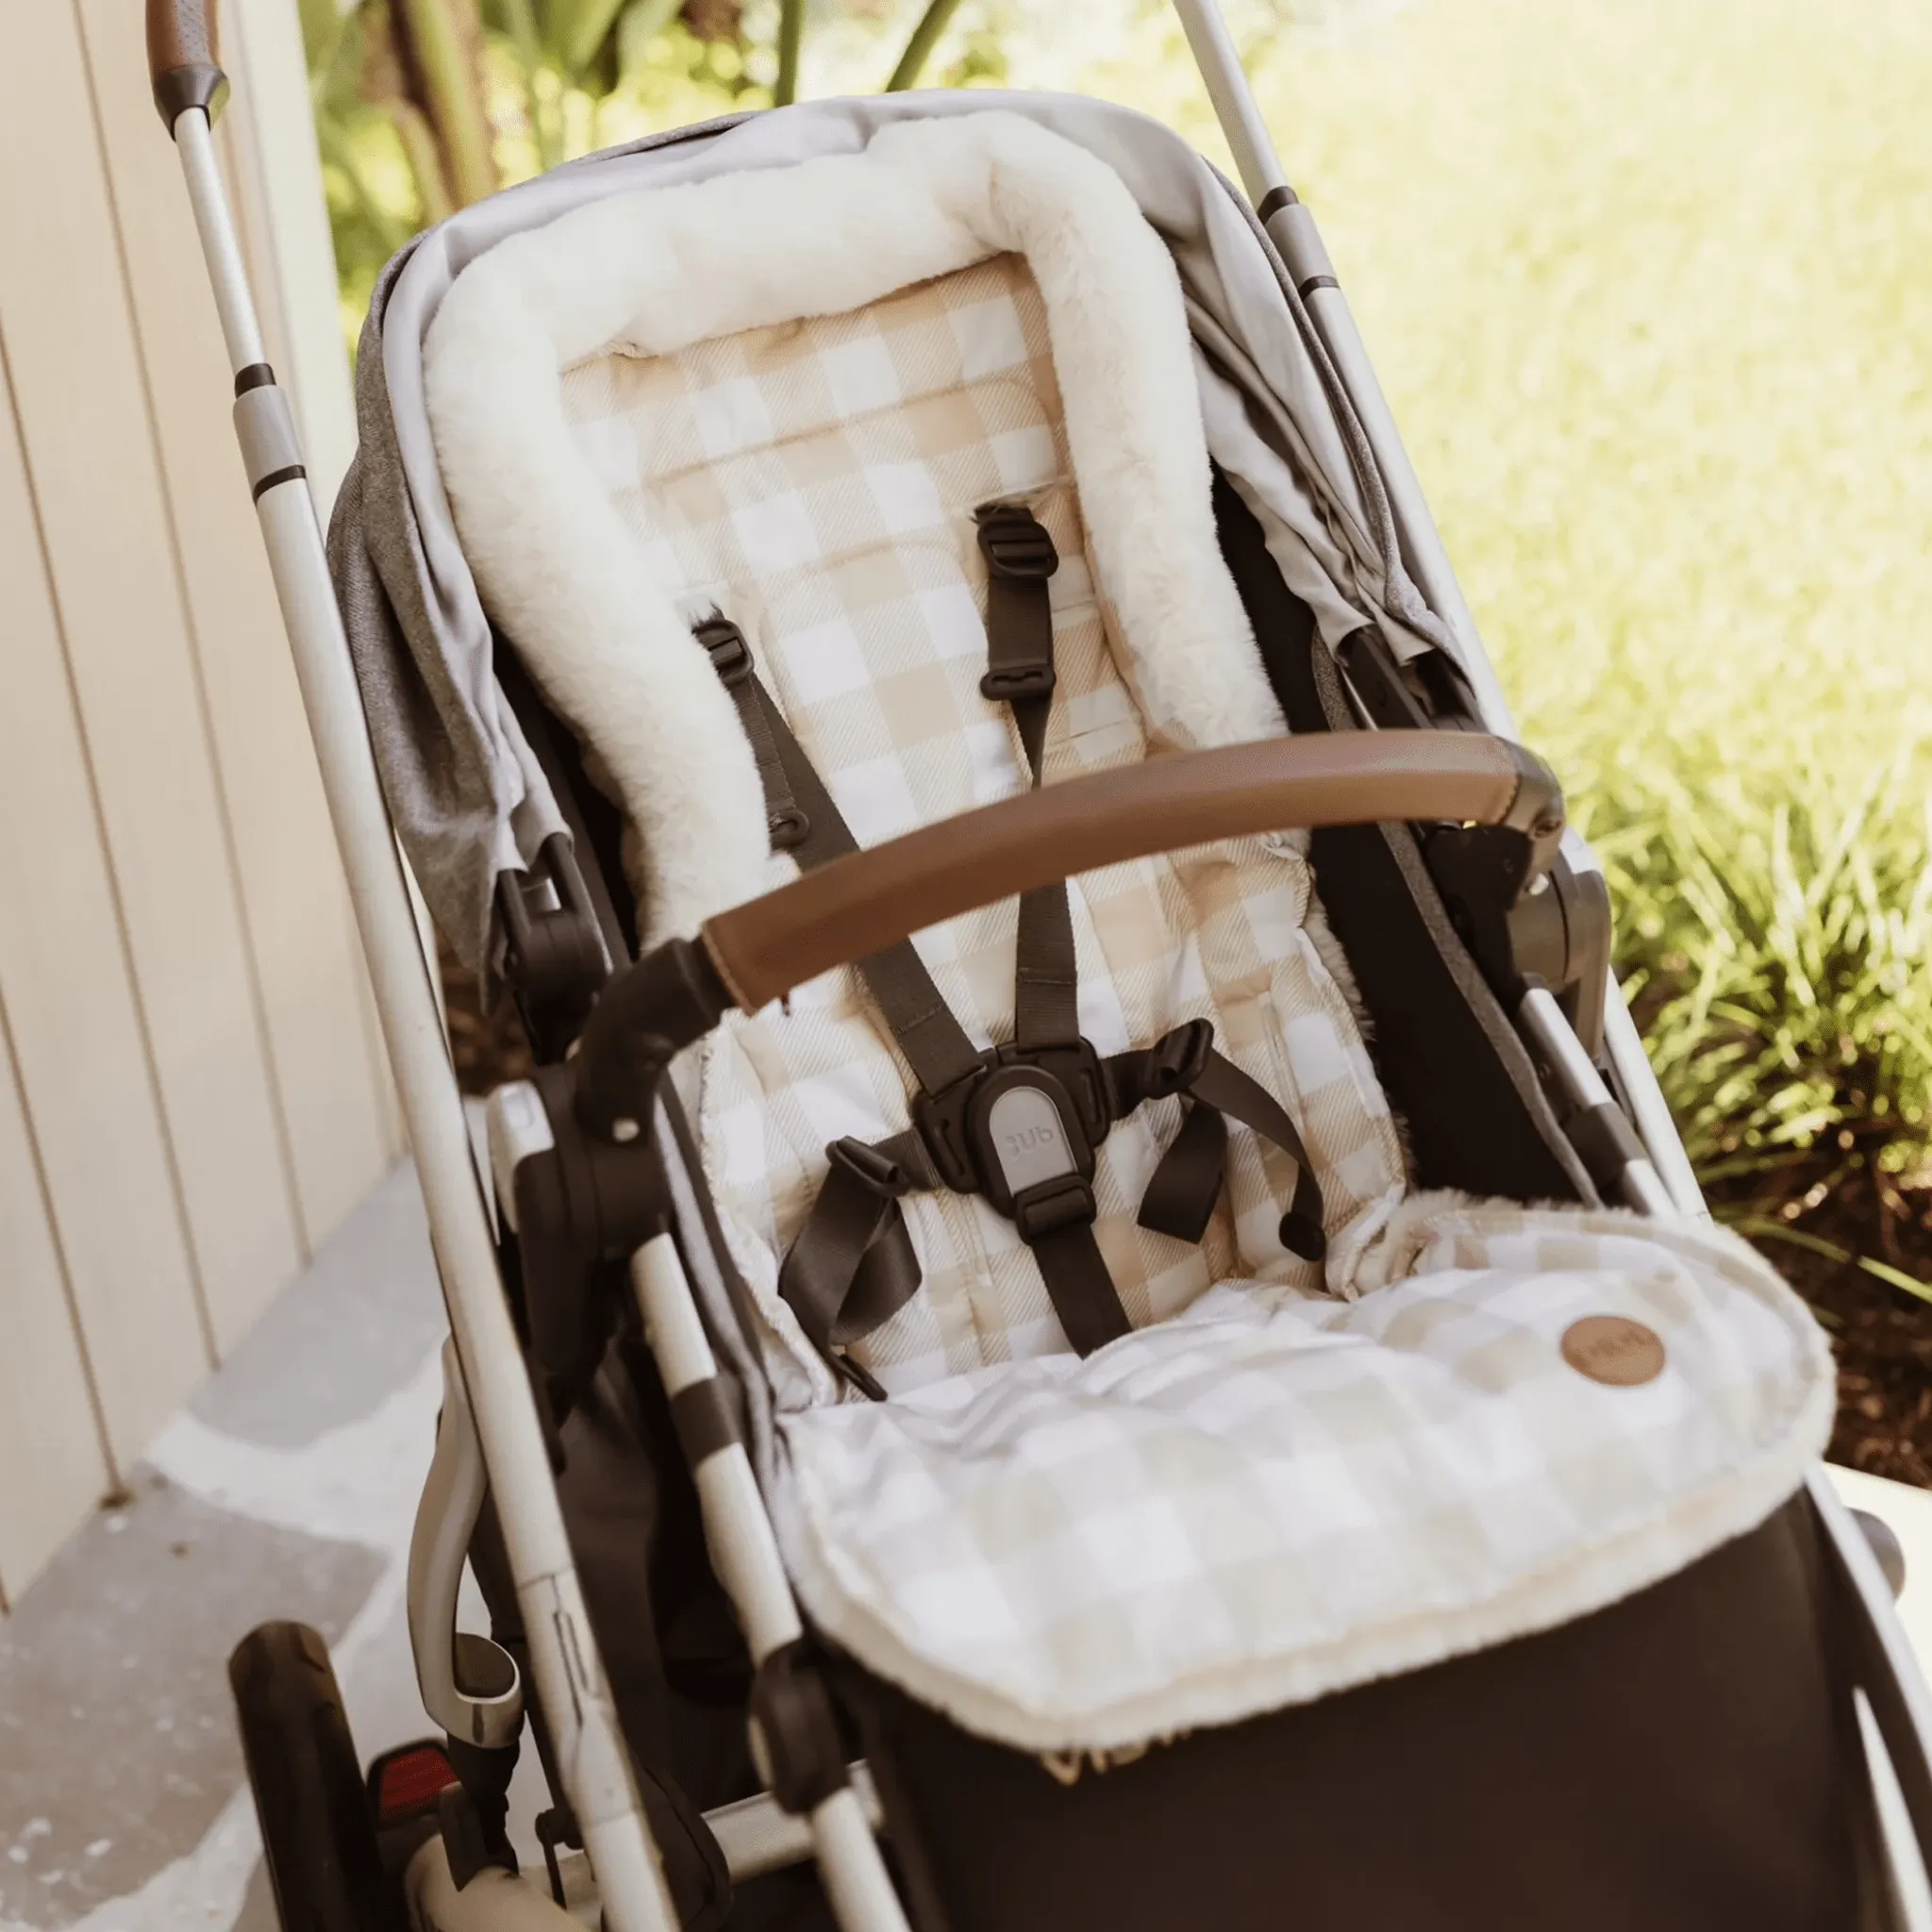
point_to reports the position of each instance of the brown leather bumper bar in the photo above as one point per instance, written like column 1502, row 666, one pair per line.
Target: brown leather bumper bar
column 181, row 61
column 858, row 904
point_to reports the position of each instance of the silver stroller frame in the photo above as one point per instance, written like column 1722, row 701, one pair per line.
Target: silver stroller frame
column 490, row 1422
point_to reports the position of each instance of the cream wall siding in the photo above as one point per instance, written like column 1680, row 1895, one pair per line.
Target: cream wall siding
column 191, row 1091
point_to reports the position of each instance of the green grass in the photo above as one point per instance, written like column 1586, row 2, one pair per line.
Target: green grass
column 1650, row 287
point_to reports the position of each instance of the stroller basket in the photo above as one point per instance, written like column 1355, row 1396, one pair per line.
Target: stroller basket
column 1092, row 1314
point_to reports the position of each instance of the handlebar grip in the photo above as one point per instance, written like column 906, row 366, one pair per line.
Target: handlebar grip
column 181, row 60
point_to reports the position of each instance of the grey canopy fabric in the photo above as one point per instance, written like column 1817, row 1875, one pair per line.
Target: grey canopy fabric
column 466, row 796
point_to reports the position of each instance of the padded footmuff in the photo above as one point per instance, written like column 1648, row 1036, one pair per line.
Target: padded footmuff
column 777, row 410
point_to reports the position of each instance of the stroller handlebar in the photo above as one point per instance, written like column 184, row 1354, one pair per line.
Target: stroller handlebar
column 869, row 900
column 181, row 61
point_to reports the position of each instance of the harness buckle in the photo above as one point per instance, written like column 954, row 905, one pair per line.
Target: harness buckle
column 730, row 655
column 1027, row 1141
column 950, row 1122
column 1081, row 1070
column 939, row 1119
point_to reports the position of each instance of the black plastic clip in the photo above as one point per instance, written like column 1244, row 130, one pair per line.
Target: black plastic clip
column 872, row 1170
column 1018, row 681
column 1016, row 542
column 1065, row 1201
column 730, row 655
column 1178, row 1058
column 554, row 959
column 1019, row 551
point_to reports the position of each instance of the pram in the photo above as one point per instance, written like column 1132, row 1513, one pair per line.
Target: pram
column 1199, row 1392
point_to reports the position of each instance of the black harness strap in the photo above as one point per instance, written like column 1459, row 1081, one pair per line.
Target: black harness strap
column 935, row 1044
column 852, row 1265
column 732, row 661
column 1020, row 558
column 1058, row 1226
column 1224, row 1087
column 1018, row 1124
column 931, row 1039
column 1181, row 1195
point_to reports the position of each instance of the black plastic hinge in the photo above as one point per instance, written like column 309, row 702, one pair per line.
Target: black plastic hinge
column 554, row 958
column 797, row 1730
column 1481, row 872
column 643, row 1020
column 583, row 1204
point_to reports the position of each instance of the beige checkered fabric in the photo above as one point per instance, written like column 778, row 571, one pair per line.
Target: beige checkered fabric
column 817, row 481
column 1289, row 1479
column 1277, row 1494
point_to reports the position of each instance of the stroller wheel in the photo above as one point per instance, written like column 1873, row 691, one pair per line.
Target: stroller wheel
column 317, row 1833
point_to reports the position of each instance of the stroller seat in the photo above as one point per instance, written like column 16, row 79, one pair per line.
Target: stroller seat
column 747, row 433
column 1279, row 1493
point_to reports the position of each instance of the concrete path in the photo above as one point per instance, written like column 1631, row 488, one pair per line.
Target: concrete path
column 285, row 1490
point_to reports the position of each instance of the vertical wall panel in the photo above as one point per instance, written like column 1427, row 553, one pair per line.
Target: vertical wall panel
column 84, row 421
column 303, row 950
column 52, row 1467
column 75, row 1029
column 189, row 1092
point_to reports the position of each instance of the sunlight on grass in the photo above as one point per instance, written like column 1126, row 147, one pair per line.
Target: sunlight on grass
column 1650, row 288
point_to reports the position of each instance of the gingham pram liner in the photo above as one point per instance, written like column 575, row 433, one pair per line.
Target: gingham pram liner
column 816, row 483
column 1280, row 1485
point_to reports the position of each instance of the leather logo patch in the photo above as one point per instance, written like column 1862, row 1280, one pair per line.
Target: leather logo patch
column 1614, row 1349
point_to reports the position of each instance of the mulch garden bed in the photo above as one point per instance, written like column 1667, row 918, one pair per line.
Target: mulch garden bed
column 1881, row 1334
column 1882, row 1337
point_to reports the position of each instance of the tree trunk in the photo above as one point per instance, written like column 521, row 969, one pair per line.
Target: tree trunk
column 440, row 42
